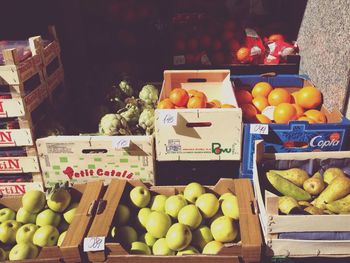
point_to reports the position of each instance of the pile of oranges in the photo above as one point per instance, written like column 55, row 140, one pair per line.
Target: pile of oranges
column 189, row 99
column 301, row 105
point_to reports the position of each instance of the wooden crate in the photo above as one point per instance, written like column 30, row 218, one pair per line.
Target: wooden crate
column 80, row 159
column 82, row 193
column 249, row 249
column 199, row 134
column 273, row 224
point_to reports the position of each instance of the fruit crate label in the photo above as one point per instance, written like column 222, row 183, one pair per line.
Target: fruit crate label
column 9, row 165
column 268, row 112
column 94, row 244
column 11, row 108
column 11, row 189
column 168, row 117
column 16, row 137
column 259, row 129
column 120, row 142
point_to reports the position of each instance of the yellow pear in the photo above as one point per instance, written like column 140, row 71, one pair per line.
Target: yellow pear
column 313, row 210
column 286, row 204
column 341, row 206
column 332, row 173
column 315, row 184
column 295, row 175
column 339, row 188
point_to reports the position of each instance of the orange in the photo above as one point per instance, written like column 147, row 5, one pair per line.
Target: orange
column 249, row 112
column 196, row 93
column 196, row 102
column 214, row 104
column 284, row 113
column 309, row 97
column 261, row 89
column 243, row 97
column 260, row 103
column 243, row 54
column 299, row 109
column 316, row 116
column 179, row 97
column 304, row 118
column 261, row 118
column 227, row 106
column 165, row 104
column 294, row 98
column 278, row 96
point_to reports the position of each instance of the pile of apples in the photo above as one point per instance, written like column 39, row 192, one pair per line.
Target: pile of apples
column 190, row 223
column 40, row 222
column 192, row 99
column 266, row 104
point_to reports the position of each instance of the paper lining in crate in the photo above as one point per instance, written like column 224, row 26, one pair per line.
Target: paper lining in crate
column 80, row 159
column 299, row 235
column 199, row 134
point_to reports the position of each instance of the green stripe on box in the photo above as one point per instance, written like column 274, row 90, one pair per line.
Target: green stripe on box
column 125, row 154
column 75, row 166
column 111, row 163
column 91, row 166
column 97, row 159
column 134, row 166
column 124, row 160
column 94, row 177
column 47, row 175
column 142, row 168
column 57, row 173
column 137, row 173
column 110, row 155
column 82, row 158
column 63, row 160
column 56, row 167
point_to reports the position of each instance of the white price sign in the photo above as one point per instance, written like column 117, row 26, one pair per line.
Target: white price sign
column 94, row 244
column 259, row 129
column 179, row 60
column 120, row 142
column 168, row 117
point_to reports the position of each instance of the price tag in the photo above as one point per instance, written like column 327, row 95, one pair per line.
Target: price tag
column 120, row 142
column 268, row 112
column 94, row 244
column 179, row 60
column 168, row 117
column 259, row 129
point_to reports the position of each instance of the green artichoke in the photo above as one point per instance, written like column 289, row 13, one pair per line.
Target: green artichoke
column 126, row 88
column 114, row 124
column 149, row 94
column 131, row 114
column 146, row 121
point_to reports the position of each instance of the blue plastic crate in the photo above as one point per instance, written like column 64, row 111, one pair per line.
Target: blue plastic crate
column 297, row 136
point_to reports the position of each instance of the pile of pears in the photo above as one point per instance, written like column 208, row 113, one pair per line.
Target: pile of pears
column 193, row 222
column 328, row 193
column 42, row 221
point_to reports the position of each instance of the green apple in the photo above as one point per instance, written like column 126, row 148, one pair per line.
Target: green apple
column 63, row 226
column 46, row 236
column 34, row 201
column 188, row 251
column 23, row 251
column 224, row 196
column 8, row 230
column 59, row 200
column 174, row 204
column 224, row 229
column 7, row 214
column 201, row 236
column 113, row 233
column 158, row 203
column 160, row 248
column 142, row 216
column 68, row 215
column 208, row 204
column 61, row 238
column 122, row 215
column 190, row 216
column 48, row 217
column 140, row 196
column 3, row 254
column 193, row 191
column 140, row 248
column 229, row 207
column 126, row 235
column 158, row 224
column 179, row 236
column 213, row 247
column 25, row 233
column 25, row 217
column 148, row 239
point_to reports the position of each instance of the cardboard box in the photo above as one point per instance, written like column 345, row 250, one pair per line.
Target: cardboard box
column 274, row 225
column 79, row 159
column 297, row 136
column 249, row 249
column 199, row 134
column 84, row 194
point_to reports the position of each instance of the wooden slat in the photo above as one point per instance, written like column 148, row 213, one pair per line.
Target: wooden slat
column 162, row 259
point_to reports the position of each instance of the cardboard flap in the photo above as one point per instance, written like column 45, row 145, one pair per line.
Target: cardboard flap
column 224, row 185
column 15, row 137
